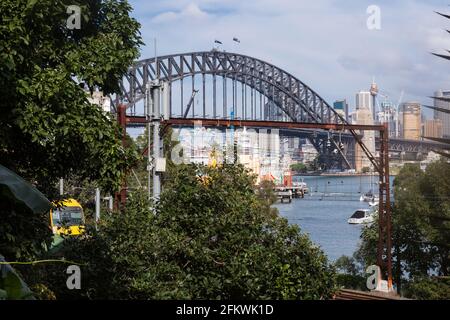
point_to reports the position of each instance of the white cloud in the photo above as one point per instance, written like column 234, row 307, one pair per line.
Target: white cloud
column 325, row 43
column 191, row 11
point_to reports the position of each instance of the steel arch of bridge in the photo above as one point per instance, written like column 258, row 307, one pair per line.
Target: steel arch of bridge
column 301, row 107
column 297, row 101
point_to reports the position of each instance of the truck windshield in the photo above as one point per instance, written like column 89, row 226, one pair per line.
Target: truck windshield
column 69, row 216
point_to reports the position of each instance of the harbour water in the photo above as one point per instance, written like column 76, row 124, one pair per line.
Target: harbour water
column 323, row 213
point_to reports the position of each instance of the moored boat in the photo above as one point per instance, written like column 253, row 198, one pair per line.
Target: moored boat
column 361, row 216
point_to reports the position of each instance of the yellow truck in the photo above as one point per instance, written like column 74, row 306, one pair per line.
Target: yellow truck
column 67, row 218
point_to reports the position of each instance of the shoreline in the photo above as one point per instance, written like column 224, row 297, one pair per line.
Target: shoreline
column 336, row 174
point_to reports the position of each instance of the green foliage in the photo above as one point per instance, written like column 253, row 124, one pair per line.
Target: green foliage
column 48, row 129
column 299, row 167
column 315, row 165
column 420, row 227
column 23, row 233
column 211, row 237
column 351, row 274
column 428, row 289
column 266, row 193
column 365, row 170
column 12, row 286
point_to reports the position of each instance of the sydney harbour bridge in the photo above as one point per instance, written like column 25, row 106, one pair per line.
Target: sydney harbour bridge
column 216, row 85
column 223, row 89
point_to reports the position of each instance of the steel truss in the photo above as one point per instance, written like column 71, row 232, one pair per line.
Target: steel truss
column 299, row 108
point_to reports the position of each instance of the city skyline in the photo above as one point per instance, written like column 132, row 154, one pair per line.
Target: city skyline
column 394, row 55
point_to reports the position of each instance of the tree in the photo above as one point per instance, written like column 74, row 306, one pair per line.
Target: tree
column 365, row 170
column 48, row 128
column 315, row 165
column 299, row 167
column 351, row 274
column 211, row 237
column 420, row 227
column 24, row 211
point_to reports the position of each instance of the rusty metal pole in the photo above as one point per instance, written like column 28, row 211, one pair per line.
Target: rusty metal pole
column 381, row 209
column 384, row 248
column 388, row 216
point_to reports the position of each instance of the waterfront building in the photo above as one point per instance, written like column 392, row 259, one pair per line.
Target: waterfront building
column 308, row 152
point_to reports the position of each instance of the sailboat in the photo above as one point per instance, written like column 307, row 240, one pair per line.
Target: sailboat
column 369, row 196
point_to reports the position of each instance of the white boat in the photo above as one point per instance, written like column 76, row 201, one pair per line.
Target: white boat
column 374, row 203
column 361, row 216
column 369, row 197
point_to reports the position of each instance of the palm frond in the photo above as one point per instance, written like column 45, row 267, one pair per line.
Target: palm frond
column 443, row 56
column 437, row 109
column 444, row 15
column 446, row 99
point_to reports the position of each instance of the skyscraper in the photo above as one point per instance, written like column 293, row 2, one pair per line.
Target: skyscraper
column 364, row 100
column 432, row 128
column 388, row 115
column 411, row 124
column 363, row 115
column 444, row 117
column 341, row 107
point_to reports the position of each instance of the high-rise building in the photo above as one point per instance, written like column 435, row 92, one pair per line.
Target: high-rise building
column 364, row 100
column 388, row 115
column 411, row 124
column 341, row 107
column 364, row 117
column 432, row 128
column 444, row 117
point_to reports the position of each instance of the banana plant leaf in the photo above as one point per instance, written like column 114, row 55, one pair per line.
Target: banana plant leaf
column 12, row 287
column 24, row 191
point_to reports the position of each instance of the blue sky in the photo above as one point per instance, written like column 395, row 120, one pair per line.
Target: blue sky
column 325, row 43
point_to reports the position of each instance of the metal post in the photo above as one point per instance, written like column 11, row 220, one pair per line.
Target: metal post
column 147, row 106
column 156, row 139
column 61, row 186
column 110, row 203
column 388, row 216
column 384, row 248
column 381, row 210
column 97, row 205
